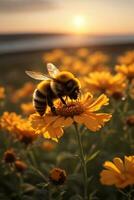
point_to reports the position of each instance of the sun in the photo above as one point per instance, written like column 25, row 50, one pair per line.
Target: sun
column 79, row 23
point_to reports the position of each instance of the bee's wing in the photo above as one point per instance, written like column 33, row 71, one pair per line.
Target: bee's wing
column 37, row 75
column 52, row 69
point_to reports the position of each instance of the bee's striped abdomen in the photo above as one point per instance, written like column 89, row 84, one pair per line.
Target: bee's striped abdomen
column 39, row 102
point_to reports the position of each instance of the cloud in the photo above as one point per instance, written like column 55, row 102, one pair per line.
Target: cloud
column 26, row 5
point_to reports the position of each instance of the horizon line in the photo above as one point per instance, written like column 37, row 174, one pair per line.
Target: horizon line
column 64, row 33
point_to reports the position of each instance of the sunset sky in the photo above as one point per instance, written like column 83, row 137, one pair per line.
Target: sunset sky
column 67, row 16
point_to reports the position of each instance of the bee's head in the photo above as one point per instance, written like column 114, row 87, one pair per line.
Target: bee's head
column 73, row 88
column 74, row 94
column 65, row 84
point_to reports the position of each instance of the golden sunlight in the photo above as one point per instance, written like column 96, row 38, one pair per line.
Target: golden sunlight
column 79, row 23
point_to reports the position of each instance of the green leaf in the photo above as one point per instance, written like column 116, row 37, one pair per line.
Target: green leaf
column 66, row 156
column 27, row 188
column 92, row 196
column 43, row 185
column 91, row 157
column 90, row 179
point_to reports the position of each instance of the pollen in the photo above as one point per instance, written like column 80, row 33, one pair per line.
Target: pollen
column 71, row 109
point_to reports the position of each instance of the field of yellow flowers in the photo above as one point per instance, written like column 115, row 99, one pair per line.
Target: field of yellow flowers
column 83, row 152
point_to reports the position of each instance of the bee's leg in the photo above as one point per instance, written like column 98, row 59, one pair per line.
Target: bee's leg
column 65, row 98
column 62, row 100
column 80, row 94
column 51, row 105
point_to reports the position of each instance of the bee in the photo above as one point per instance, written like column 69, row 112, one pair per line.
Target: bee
column 53, row 86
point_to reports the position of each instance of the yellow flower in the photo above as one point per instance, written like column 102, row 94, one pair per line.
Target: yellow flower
column 127, row 70
column 2, row 92
column 27, row 108
column 66, row 61
column 97, row 58
column 18, row 126
column 53, row 56
column 80, row 111
column 74, row 65
column 127, row 58
column 9, row 120
column 105, row 82
column 119, row 173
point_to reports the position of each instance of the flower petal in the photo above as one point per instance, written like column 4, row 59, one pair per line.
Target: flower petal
column 61, row 121
column 47, row 136
column 111, row 166
column 58, row 122
column 108, row 178
column 55, row 133
column 119, row 164
column 92, row 121
column 68, row 121
column 96, row 105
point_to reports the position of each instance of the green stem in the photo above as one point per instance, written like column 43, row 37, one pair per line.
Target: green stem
column 39, row 173
column 83, row 163
column 128, row 196
column 123, row 193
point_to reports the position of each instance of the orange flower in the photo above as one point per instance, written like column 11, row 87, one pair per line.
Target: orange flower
column 48, row 145
column 27, row 108
column 118, row 173
column 2, row 92
column 80, row 111
column 20, row 166
column 67, row 60
column 105, row 82
column 9, row 156
column 130, row 120
column 23, row 92
column 131, row 91
column 15, row 124
column 74, row 65
column 82, row 52
column 126, row 70
column 127, row 58
column 53, row 56
column 9, row 120
column 97, row 59
column 57, row 176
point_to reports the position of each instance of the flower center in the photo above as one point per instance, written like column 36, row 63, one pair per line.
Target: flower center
column 69, row 110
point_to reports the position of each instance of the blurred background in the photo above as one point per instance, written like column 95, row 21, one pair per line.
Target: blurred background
column 31, row 27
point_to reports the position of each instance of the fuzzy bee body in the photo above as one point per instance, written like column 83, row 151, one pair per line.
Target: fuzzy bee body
column 39, row 102
column 42, row 95
column 58, row 85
